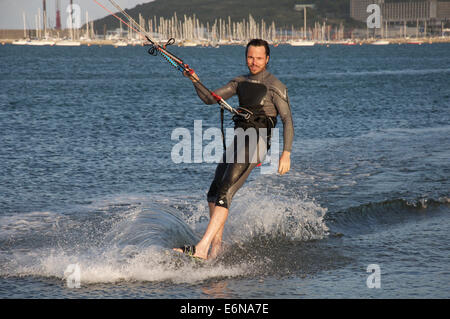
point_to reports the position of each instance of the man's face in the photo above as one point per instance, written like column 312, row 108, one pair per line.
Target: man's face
column 256, row 59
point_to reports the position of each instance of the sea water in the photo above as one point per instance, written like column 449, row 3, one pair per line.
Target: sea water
column 91, row 201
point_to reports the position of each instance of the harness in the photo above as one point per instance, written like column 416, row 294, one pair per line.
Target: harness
column 250, row 113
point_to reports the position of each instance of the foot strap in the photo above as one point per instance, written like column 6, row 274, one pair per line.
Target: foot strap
column 188, row 250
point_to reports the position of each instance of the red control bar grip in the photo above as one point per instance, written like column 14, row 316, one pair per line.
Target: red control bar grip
column 218, row 98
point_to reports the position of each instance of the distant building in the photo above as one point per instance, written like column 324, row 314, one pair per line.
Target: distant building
column 430, row 11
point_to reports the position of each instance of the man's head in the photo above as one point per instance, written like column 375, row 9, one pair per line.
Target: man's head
column 258, row 55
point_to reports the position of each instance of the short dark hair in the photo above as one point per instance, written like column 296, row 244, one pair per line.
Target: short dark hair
column 258, row 43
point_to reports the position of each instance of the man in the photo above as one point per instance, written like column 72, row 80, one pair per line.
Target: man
column 262, row 97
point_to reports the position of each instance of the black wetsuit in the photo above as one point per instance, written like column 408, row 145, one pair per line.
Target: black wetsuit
column 265, row 97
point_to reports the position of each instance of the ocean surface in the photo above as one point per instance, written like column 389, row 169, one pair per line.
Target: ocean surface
column 91, row 200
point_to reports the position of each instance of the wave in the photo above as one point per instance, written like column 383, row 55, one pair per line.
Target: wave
column 379, row 215
column 132, row 240
column 136, row 246
column 430, row 132
column 391, row 72
column 346, row 74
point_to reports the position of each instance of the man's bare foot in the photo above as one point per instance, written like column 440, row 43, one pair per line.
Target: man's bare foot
column 216, row 248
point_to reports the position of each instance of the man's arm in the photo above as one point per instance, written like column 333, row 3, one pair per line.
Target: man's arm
column 281, row 101
column 225, row 92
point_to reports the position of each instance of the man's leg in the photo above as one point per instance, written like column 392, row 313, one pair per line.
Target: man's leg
column 215, row 228
column 217, row 240
column 228, row 179
column 233, row 177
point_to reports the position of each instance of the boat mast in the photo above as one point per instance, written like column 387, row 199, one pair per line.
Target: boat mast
column 44, row 17
column 58, row 16
column 38, row 27
column 24, row 25
column 71, row 20
column 304, row 22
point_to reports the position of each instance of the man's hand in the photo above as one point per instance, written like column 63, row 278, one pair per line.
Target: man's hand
column 285, row 163
column 193, row 77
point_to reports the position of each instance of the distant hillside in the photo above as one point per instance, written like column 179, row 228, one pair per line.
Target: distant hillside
column 280, row 11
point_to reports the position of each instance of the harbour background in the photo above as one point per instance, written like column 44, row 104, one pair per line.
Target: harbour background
column 412, row 23
column 189, row 31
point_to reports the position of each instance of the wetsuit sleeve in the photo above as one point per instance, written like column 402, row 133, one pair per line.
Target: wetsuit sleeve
column 225, row 92
column 281, row 101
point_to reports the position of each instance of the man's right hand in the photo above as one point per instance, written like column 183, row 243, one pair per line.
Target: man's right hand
column 193, row 77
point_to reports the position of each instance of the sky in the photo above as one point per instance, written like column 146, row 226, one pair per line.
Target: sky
column 11, row 11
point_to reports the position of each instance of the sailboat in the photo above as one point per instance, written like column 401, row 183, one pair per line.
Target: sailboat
column 41, row 42
column 68, row 43
column 189, row 43
column 120, row 43
column 301, row 43
column 304, row 42
column 380, row 42
column 20, row 42
column 23, row 41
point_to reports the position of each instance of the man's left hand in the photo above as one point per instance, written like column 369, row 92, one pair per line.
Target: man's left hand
column 285, row 163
